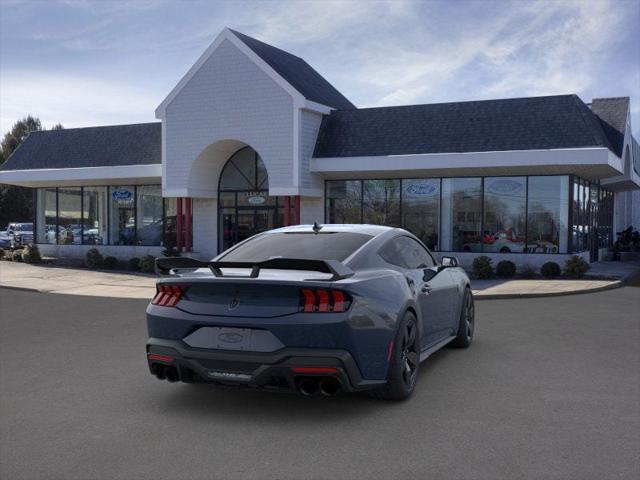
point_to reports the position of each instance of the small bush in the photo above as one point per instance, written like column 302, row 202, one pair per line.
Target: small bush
column 506, row 268
column 110, row 263
column 528, row 271
column 31, row 254
column 576, row 267
column 1, row 253
column 17, row 256
column 550, row 270
column 133, row 264
column 482, row 267
column 94, row 258
column 148, row 264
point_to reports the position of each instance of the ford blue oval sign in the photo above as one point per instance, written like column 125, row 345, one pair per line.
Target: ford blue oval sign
column 422, row 189
column 122, row 194
column 505, row 187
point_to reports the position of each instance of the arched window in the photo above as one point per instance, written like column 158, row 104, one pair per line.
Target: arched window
column 244, row 205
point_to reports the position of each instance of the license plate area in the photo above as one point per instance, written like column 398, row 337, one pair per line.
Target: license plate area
column 231, row 338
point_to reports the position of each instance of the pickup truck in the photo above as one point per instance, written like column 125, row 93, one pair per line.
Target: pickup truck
column 18, row 235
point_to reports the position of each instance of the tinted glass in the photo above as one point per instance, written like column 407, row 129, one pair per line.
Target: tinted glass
column 323, row 246
column 461, row 214
column 505, row 200
column 149, row 213
column 94, row 216
column 46, row 215
column 548, row 214
column 421, row 209
column 344, row 201
column 407, row 253
column 122, row 222
column 69, row 217
column 381, row 202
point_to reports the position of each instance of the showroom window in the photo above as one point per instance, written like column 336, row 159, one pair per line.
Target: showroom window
column 149, row 215
column 505, row 214
column 69, row 216
column 46, row 215
column 548, row 213
column 421, row 209
column 94, row 208
column 461, row 216
column 381, row 202
column 120, row 215
column 344, row 201
column 490, row 214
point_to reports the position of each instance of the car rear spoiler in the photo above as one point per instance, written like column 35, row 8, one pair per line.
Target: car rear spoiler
column 338, row 270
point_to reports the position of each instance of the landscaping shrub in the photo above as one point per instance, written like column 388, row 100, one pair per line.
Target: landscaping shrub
column 576, row 267
column 31, row 254
column 17, row 256
column 550, row 270
column 110, row 263
column 148, row 264
column 133, row 264
column 482, row 267
column 506, row 268
column 94, row 258
column 528, row 271
column 1, row 253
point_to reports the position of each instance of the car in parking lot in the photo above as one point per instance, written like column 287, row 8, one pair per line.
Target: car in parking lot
column 312, row 309
column 18, row 235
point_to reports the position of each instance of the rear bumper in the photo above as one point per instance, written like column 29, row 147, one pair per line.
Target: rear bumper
column 272, row 371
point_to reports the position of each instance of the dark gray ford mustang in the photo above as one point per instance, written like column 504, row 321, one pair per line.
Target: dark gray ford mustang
column 313, row 309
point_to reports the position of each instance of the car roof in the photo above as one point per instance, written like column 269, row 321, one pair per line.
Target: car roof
column 373, row 230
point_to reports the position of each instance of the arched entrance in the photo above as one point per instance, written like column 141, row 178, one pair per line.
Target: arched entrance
column 244, row 205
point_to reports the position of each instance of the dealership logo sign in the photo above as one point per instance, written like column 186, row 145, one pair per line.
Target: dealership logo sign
column 423, row 189
column 505, row 187
column 122, row 195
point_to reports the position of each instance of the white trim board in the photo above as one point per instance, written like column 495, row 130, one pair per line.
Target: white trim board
column 131, row 174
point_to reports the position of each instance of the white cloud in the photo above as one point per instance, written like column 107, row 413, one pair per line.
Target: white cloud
column 72, row 101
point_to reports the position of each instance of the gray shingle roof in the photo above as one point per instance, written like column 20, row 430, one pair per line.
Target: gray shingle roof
column 612, row 113
column 298, row 73
column 562, row 121
column 137, row 144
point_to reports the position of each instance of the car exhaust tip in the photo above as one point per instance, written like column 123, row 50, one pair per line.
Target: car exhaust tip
column 159, row 371
column 308, row 386
column 329, row 387
column 172, row 374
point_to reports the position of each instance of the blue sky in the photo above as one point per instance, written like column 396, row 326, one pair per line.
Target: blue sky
column 87, row 63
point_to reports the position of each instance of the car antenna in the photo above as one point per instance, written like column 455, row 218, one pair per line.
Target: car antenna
column 316, row 228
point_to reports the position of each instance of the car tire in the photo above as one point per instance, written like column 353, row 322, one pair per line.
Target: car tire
column 466, row 324
column 505, row 250
column 404, row 364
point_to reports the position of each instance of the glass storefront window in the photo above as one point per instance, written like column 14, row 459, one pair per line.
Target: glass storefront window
column 344, row 201
column 381, row 202
column 421, row 209
column 461, row 216
column 122, row 219
column 548, row 214
column 69, row 216
column 149, row 215
column 505, row 213
column 170, row 222
column 94, row 205
column 46, row 215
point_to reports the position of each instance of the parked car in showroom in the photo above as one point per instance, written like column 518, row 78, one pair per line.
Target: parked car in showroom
column 19, row 234
column 309, row 309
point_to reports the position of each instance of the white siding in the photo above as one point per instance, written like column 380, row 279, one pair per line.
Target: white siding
column 205, row 223
column 230, row 97
column 309, row 127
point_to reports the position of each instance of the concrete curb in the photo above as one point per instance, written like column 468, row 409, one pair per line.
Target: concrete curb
column 25, row 289
column 506, row 296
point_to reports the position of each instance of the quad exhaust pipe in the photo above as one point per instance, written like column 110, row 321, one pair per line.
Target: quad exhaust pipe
column 309, row 386
column 165, row 372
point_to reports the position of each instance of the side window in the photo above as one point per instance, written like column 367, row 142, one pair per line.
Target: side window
column 392, row 253
column 415, row 255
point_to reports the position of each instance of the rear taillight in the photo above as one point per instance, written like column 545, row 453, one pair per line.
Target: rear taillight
column 168, row 295
column 324, row 300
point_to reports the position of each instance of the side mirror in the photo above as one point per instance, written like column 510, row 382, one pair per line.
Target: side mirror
column 449, row 262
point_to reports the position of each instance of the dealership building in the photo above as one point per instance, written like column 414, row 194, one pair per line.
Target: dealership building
column 253, row 138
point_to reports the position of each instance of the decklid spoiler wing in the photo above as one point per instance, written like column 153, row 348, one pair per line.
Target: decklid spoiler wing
column 338, row 270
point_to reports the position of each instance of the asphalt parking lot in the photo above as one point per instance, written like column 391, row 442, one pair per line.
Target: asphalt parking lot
column 550, row 389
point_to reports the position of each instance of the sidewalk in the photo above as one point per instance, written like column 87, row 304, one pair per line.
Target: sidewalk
column 77, row 281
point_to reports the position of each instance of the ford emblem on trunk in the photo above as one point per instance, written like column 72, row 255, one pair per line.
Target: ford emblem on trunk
column 230, row 337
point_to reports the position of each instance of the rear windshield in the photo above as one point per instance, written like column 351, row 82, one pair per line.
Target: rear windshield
column 309, row 246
